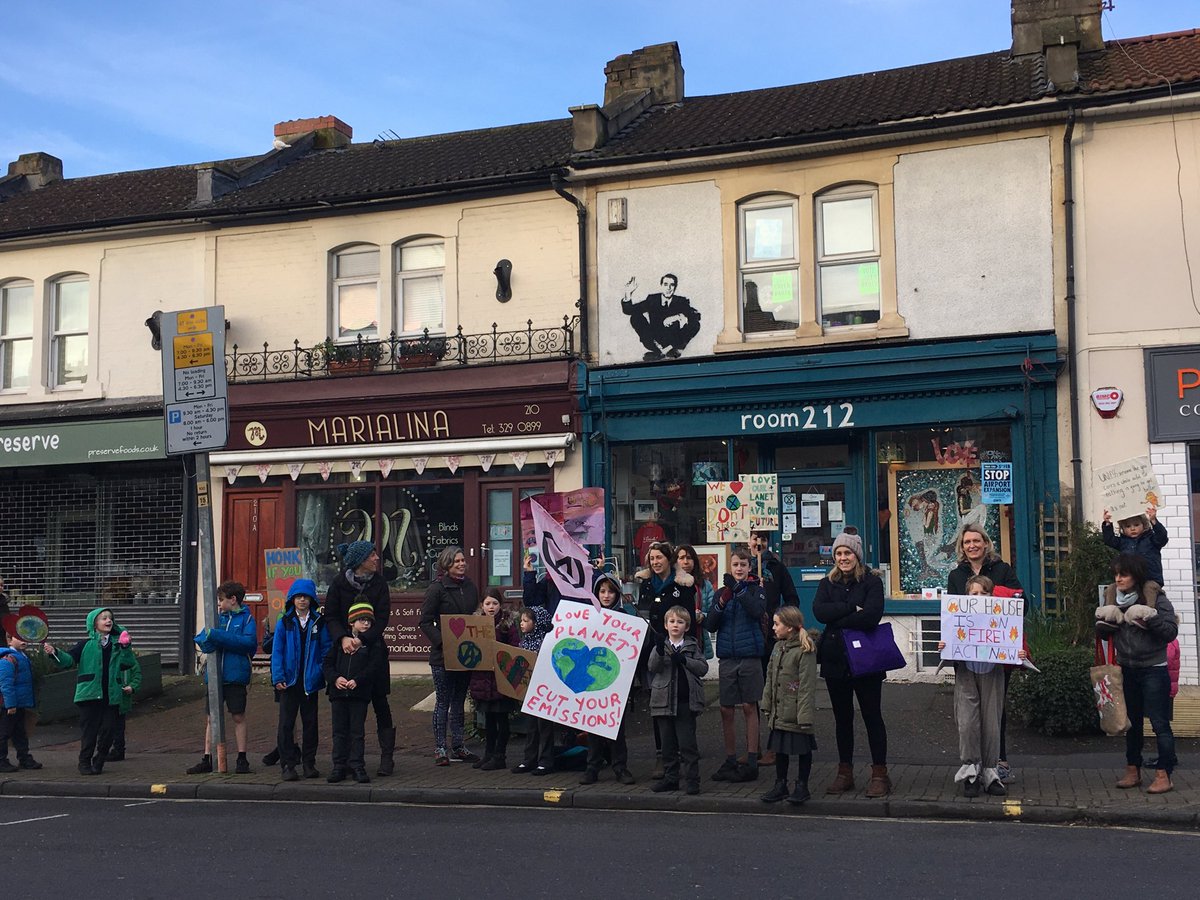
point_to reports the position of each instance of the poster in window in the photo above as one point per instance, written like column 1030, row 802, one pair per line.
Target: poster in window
column 931, row 504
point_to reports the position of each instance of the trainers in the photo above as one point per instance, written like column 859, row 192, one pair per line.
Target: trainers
column 441, row 759
column 727, row 771
column 590, row 776
column 29, row 763
column 6, row 766
column 746, row 773
column 242, row 766
column 462, row 754
column 540, row 770
column 624, row 776
column 996, row 789
column 201, row 768
column 521, row 769
column 971, row 787
column 290, row 774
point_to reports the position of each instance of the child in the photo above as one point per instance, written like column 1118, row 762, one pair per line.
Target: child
column 297, row 654
column 608, row 591
column 1142, row 536
column 108, row 670
column 736, row 620
column 488, row 699
column 236, row 636
column 351, row 678
column 534, row 623
column 978, row 707
column 676, row 666
column 16, row 698
column 789, row 703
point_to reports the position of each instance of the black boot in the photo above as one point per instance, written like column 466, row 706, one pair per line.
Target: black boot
column 97, row 764
column 271, row 758
column 800, row 794
column 290, row 773
column 336, row 775
column 777, row 792
column 387, row 750
column 361, row 776
column 203, row 767
column 310, row 770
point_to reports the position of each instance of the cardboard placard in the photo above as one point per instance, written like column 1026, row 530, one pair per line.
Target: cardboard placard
column 283, row 566
column 514, row 667
column 468, row 642
column 980, row 628
column 1126, row 488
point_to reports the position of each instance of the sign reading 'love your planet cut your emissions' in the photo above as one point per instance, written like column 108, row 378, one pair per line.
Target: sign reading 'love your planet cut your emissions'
column 585, row 668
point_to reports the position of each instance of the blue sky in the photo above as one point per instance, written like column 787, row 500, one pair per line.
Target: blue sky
column 113, row 86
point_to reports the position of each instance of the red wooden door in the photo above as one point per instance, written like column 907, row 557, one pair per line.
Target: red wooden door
column 253, row 524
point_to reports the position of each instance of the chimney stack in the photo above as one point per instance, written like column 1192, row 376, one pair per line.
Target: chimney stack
column 30, row 172
column 1059, row 29
column 634, row 82
column 328, row 131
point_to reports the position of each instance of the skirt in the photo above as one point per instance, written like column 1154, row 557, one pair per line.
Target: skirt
column 792, row 743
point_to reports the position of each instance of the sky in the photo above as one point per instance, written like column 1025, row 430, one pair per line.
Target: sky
column 119, row 86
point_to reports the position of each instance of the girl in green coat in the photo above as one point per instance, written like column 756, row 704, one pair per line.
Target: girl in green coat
column 789, row 703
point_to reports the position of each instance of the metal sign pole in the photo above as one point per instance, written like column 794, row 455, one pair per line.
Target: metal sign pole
column 212, row 615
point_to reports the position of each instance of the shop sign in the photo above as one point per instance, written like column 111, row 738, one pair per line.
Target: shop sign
column 799, row 418
column 1173, row 393
column 65, row 443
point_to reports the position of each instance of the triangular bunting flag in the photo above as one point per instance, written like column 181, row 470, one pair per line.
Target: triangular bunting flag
column 518, row 458
column 294, row 469
column 356, row 468
column 325, row 468
column 452, row 463
column 385, row 466
column 419, row 463
column 263, row 469
column 553, row 456
column 231, row 473
column 486, row 460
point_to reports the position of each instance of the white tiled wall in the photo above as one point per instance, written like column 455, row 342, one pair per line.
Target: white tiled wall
column 1170, row 464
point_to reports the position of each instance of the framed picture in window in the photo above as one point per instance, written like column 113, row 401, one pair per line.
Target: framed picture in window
column 643, row 510
column 714, row 563
column 930, row 505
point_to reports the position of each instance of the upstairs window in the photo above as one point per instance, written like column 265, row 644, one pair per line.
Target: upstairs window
column 847, row 233
column 69, row 312
column 420, row 286
column 769, row 265
column 356, row 292
column 16, row 335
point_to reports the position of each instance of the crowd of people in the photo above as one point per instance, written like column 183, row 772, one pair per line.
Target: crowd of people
column 768, row 667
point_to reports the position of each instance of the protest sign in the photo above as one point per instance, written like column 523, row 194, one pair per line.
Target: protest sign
column 468, row 642
column 580, row 513
column 1127, row 488
column 514, row 667
column 762, row 501
column 566, row 562
column 283, row 566
column 979, row 628
column 585, row 668
column 726, row 510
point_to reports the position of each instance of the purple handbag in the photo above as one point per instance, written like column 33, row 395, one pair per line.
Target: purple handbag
column 874, row 651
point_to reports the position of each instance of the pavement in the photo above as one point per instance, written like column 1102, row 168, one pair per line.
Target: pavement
column 1065, row 780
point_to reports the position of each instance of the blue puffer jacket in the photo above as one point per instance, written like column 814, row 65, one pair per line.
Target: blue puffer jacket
column 236, row 636
column 16, row 680
column 736, row 618
column 286, row 664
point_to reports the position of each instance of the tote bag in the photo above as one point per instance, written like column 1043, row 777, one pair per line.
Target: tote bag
column 1110, row 692
column 874, row 651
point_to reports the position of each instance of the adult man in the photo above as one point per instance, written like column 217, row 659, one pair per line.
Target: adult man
column 665, row 323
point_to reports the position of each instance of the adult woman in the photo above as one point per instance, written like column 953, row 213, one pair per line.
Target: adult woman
column 661, row 588
column 452, row 593
column 851, row 596
column 977, row 556
column 688, row 561
column 1141, row 621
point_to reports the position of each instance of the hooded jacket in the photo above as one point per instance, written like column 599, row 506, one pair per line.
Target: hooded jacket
column 88, row 655
column 541, row 628
column 789, row 697
column 611, row 580
column 1141, row 647
column 291, row 636
column 653, row 602
column 1148, row 545
column 16, row 680
column 236, row 636
column 736, row 619
column 666, row 667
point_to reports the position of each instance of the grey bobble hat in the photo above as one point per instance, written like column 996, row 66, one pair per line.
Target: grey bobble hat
column 851, row 540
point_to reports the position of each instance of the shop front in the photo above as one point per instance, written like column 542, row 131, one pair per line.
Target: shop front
column 94, row 513
column 888, row 439
column 414, row 463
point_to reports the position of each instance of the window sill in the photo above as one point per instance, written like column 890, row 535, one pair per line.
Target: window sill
column 52, row 395
column 808, row 336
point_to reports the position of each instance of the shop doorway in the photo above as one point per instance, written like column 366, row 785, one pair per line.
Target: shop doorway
column 254, row 523
column 813, row 509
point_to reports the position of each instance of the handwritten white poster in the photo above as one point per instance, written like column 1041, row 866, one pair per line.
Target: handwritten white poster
column 983, row 629
column 1127, row 488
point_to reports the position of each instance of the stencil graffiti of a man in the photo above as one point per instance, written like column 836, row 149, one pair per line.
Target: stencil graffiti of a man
column 665, row 322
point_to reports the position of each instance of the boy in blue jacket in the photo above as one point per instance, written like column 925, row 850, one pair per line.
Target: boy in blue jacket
column 1142, row 536
column 236, row 636
column 16, row 697
column 736, row 618
column 297, row 651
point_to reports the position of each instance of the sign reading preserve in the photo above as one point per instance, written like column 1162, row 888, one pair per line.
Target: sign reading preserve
column 62, row 443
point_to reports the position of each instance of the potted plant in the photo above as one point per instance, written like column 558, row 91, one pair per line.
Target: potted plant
column 349, row 358
column 417, row 353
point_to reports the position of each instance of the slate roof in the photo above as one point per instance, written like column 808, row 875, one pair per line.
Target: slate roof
column 521, row 156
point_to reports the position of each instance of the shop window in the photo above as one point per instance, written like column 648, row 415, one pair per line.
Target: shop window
column 16, row 334
column 847, row 234
column 69, row 315
column 420, row 286
column 769, row 264
column 355, row 292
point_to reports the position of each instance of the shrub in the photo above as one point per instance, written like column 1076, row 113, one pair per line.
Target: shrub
column 1058, row 700
column 1086, row 565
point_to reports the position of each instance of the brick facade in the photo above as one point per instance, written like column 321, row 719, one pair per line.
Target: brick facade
column 1170, row 464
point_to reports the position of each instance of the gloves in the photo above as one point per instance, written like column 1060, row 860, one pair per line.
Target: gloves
column 1139, row 614
column 729, row 581
column 1110, row 614
column 660, row 640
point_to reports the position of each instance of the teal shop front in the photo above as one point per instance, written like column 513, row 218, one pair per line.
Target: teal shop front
column 889, row 439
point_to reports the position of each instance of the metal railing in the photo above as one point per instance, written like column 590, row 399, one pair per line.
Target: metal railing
column 395, row 353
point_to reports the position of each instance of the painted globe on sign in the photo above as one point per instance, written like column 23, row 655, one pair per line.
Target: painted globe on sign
column 583, row 668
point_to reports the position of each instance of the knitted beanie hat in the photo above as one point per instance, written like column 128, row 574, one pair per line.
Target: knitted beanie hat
column 360, row 611
column 851, row 540
column 354, row 553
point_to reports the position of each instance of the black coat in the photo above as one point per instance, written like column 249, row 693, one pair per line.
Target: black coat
column 837, row 606
column 445, row 597
column 998, row 570
column 364, row 668
column 342, row 595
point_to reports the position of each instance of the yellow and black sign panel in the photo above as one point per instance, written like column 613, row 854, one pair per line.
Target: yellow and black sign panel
column 191, row 321
column 193, row 350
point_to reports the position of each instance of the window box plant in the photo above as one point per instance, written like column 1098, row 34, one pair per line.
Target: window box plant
column 418, row 353
column 349, row 358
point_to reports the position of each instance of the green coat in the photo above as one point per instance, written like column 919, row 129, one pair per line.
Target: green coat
column 789, row 697
column 123, row 668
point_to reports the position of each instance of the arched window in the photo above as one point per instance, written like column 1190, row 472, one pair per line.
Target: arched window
column 355, row 293
column 769, row 264
column 420, row 285
column 16, row 334
column 847, row 234
column 70, row 301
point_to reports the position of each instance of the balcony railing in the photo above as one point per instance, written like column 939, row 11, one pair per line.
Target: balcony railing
column 395, row 353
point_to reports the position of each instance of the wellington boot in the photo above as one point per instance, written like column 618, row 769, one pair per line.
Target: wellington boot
column 879, row 785
column 843, row 781
column 1131, row 779
column 387, row 750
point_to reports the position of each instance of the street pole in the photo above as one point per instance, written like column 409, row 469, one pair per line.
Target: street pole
column 212, row 615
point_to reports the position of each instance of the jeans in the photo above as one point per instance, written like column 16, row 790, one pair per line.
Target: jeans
column 869, row 690
column 1148, row 694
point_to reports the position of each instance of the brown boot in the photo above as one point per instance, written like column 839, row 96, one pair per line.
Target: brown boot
column 844, row 781
column 879, row 785
column 1161, row 784
column 1132, row 779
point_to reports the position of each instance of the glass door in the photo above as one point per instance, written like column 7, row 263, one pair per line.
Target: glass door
column 812, row 512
